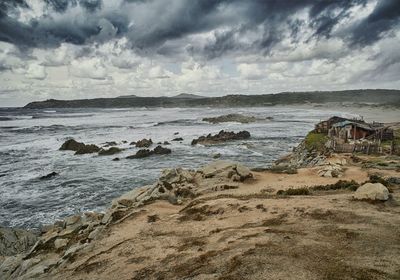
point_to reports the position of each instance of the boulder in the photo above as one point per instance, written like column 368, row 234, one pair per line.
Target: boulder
column 144, row 143
column 146, row 152
column 372, row 191
column 141, row 154
column 60, row 243
column 226, row 169
column 15, row 241
column 71, row 145
column 161, row 151
column 178, row 139
column 231, row 118
column 87, row 149
column 222, row 136
column 110, row 151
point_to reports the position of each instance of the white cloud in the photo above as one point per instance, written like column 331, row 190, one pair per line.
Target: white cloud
column 36, row 71
column 92, row 68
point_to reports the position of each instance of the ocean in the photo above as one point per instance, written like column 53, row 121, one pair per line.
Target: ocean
column 30, row 142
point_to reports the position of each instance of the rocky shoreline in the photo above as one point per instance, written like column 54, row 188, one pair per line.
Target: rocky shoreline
column 263, row 210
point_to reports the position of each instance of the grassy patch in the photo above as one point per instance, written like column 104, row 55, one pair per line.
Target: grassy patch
column 375, row 178
column 292, row 191
column 341, row 184
column 315, row 141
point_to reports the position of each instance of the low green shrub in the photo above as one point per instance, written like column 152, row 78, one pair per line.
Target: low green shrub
column 292, row 191
column 341, row 184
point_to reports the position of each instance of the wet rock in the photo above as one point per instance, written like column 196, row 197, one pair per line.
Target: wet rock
column 176, row 133
column 178, row 139
column 110, row 151
column 116, row 159
column 372, row 191
column 222, row 136
column 218, row 155
column 71, row 145
column 166, row 143
column 110, row 144
column 49, row 176
column 161, row 151
column 141, row 154
column 15, row 241
column 144, row 143
column 231, row 118
column 87, row 149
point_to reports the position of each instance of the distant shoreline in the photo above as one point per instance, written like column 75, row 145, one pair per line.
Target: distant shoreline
column 368, row 97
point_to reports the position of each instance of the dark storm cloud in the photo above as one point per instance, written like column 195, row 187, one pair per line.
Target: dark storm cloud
column 383, row 18
column 150, row 25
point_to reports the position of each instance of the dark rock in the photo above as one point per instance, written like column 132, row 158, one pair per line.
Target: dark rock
column 231, row 118
column 222, row 136
column 218, row 155
column 178, row 139
column 110, row 144
column 87, row 149
column 132, row 143
column 161, row 151
column 71, row 145
column 166, row 143
column 141, row 154
column 116, row 159
column 110, row 151
column 144, row 143
column 176, row 133
column 48, row 176
column 124, row 141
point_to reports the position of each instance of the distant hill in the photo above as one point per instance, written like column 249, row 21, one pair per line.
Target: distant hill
column 188, row 95
column 127, row 96
column 370, row 97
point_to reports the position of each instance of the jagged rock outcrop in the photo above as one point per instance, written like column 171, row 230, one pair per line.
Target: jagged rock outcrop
column 231, row 118
column 79, row 147
column 71, row 145
column 15, row 241
column 110, row 151
column 60, row 243
column 159, row 150
column 302, row 157
column 331, row 170
column 144, row 143
column 221, row 137
column 226, row 169
column 88, row 149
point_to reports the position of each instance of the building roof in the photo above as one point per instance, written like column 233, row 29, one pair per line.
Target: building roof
column 364, row 126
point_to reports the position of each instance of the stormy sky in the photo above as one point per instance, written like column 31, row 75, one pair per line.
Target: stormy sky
column 68, row 49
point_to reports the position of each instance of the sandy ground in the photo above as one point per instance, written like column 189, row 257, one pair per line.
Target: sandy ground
column 250, row 233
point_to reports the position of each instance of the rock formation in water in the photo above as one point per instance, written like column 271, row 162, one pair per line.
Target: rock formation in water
column 221, row 137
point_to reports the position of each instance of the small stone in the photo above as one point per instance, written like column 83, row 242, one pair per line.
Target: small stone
column 60, row 243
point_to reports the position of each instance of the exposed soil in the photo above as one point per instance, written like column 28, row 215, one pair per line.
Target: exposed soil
column 251, row 233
